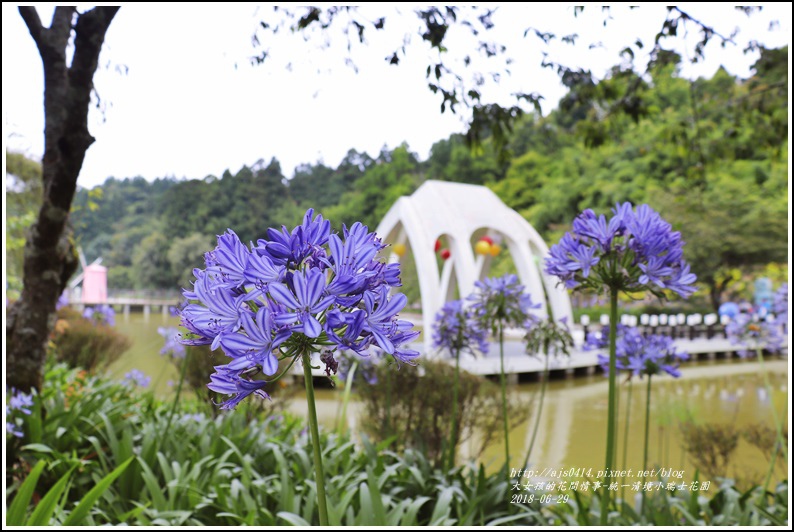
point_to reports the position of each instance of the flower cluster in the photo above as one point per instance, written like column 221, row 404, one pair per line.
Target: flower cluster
column 550, row 338
column 19, row 403
column 291, row 294
column 457, row 330
column 366, row 369
column 101, row 314
column 634, row 251
column 754, row 333
column 501, row 301
column 780, row 306
column 641, row 355
column 63, row 300
column 136, row 377
column 172, row 347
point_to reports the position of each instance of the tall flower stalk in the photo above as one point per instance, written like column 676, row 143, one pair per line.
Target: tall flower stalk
column 634, row 251
column 640, row 356
column 756, row 335
column 499, row 303
column 552, row 339
column 457, row 331
column 293, row 294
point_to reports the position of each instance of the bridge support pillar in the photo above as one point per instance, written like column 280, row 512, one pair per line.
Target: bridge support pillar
column 165, row 311
column 126, row 312
column 147, row 310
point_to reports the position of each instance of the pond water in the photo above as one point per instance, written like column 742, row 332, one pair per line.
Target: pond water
column 730, row 392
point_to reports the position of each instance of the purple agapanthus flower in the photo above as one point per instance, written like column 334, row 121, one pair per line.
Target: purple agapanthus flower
column 227, row 382
column 63, row 301
column 780, row 306
column 502, row 301
column 136, row 377
column 639, row 355
column 458, row 331
column 634, row 251
column 172, row 347
column 366, row 368
column 100, row 314
column 19, row 403
column 295, row 292
column 754, row 333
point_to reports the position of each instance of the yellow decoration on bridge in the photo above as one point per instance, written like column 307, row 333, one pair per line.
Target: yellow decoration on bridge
column 482, row 247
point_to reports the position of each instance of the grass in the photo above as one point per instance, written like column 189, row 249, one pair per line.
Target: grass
column 95, row 453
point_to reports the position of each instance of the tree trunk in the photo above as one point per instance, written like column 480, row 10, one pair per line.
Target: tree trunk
column 49, row 252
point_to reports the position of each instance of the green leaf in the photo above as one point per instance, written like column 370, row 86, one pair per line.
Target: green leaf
column 155, row 492
column 19, row 506
column 38, row 448
column 441, row 510
column 377, row 503
column 80, row 513
column 292, row 519
column 42, row 514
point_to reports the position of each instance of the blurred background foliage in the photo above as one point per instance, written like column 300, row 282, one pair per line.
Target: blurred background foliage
column 711, row 154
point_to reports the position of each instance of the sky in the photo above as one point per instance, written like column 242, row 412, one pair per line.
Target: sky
column 179, row 97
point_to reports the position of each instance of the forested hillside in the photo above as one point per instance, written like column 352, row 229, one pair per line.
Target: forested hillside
column 712, row 155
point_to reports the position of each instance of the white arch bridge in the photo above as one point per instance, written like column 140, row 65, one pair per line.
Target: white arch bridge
column 461, row 214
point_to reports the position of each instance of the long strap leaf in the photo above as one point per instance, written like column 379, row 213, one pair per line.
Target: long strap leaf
column 42, row 514
column 19, row 506
column 81, row 512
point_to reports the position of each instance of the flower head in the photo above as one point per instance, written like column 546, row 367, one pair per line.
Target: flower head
column 136, row 377
column 640, row 355
column 172, row 347
column 753, row 333
column 457, row 330
column 366, row 367
column 63, row 301
column 19, row 403
column 295, row 292
column 549, row 338
column 634, row 251
column 501, row 301
column 780, row 306
column 101, row 314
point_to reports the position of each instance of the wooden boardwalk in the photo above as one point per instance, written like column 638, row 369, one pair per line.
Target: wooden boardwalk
column 580, row 361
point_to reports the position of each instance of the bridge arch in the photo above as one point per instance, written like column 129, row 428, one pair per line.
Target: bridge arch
column 457, row 211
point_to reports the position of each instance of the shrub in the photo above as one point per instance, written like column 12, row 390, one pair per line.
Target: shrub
column 710, row 446
column 81, row 344
column 412, row 407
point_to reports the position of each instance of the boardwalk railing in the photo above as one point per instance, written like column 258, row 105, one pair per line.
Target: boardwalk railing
column 684, row 326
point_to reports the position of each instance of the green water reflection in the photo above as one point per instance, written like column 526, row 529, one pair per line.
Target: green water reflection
column 574, row 414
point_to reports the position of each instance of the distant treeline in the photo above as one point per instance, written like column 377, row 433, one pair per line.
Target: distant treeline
column 710, row 154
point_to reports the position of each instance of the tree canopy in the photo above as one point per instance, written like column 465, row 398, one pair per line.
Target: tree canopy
column 711, row 154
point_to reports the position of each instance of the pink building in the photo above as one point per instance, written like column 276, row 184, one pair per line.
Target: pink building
column 95, row 284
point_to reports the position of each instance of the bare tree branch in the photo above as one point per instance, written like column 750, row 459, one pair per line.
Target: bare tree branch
column 49, row 252
column 31, row 18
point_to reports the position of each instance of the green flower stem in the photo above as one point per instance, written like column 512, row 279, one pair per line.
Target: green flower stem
column 540, row 407
column 781, row 443
column 182, row 373
column 504, row 398
column 613, row 322
column 647, row 428
column 319, row 475
column 388, row 402
column 454, row 437
column 626, row 435
column 342, row 421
